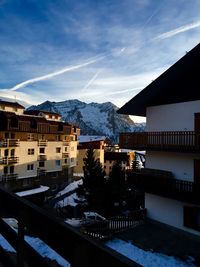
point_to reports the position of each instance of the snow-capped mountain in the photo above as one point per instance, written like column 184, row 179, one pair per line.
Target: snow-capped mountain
column 92, row 118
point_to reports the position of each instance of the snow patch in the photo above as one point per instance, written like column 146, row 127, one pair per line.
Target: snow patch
column 147, row 258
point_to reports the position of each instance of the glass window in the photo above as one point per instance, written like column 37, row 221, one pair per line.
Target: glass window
column 58, row 149
column 57, row 162
column 42, row 150
column 30, row 167
column 31, row 151
column 41, row 164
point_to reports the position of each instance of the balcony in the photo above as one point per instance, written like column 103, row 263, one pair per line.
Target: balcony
column 65, row 143
column 41, row 172
column 42, row 158
column 183, row 141
column 76, row 248
column 65, row 155
column 161, row 183
column 8, row 177
column 42, row 142
column 9, row 160
column 9, row 143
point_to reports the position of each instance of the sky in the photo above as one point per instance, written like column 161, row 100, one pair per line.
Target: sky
column 91, row 50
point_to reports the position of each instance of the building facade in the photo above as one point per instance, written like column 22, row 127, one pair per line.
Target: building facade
column 171, row 179
column 84, row 143
column 124, row 158
column 35, row 149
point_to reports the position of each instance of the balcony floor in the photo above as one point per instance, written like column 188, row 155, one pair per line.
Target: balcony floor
column 164, row 239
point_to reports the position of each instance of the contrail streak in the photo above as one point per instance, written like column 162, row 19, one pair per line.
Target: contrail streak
column 91, row 80
column 53, row 74
column 178, row 30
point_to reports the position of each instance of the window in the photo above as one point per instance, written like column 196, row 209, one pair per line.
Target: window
column 57, row 162
column 30, row 136
column 65, row 161
column 42, row 150
column 31, row 151
column 66, row 149
column 12, row 152
column 12, row 168
column 33, row 123
column 192, row 217
column 15, row 109
column 72, row 159
column 41, row 164
column 30, row 167
column 58, row 149
column 57, row 137
column 14, row 122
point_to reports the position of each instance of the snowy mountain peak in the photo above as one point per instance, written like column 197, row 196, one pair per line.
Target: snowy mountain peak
column 92, row 118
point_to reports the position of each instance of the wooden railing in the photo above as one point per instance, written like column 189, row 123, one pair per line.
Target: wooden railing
column 42, row 142
column 9, row 143
column 172, row 141
column 9, row 160
column 163, row 185
column 42, row 157
column 77, row 249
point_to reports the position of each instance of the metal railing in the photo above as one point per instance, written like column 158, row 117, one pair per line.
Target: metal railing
column 77, row 249
column 170, row 140
column 160, row 184
column 8, row 177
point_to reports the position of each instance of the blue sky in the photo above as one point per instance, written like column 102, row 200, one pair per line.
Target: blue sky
column 92, row 50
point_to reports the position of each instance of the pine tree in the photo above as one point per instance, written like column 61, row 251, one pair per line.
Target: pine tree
column 93, row 181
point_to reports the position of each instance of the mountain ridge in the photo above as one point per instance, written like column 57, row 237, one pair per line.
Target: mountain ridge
column 92, row 118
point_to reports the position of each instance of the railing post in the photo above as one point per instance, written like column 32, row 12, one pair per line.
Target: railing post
column 20, row 247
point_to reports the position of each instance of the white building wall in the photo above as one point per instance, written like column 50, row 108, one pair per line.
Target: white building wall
column 180, row 164
column 24, row 159
column 172, row 117
column 167, row 211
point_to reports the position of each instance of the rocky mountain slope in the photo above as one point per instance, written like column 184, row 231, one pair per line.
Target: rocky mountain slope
column 92, row 118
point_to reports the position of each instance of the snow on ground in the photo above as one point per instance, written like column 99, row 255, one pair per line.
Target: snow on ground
column 68, row 201
column 147, row 258
column 72, row 186
column 42, row 248
column 33, row 191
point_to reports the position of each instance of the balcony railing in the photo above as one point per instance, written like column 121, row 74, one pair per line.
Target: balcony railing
column 188, row 141
column 78, row 250
column 9, row 160
column 42, row 157
column 65, row 143
column 9, row 143
column 8, row 177
column 158, row 183
column 42, row 142
column 65, row 155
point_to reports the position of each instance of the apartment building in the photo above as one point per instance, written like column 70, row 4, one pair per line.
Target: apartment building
column 84, row 143
column 35, row 148
column 124, row 158
column 171, row 177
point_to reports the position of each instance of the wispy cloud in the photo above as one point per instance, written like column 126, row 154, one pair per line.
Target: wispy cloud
column 91, row 80
column 53, row 74
column 178, row 30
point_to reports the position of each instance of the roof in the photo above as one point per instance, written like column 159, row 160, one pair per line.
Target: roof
column 37, row 112
column 180, row 83
column 11, row 104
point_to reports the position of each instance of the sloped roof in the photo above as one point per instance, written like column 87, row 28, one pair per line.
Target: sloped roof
column 11, row 104
column 37, row 112
column 180, row 83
